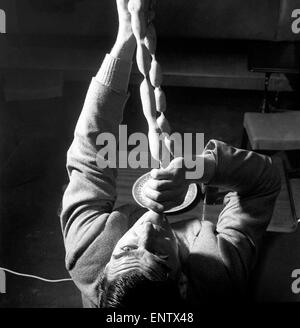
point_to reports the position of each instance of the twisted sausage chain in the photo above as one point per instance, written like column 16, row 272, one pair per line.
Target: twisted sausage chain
column 152, row 96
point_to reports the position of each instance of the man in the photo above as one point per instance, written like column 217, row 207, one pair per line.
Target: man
column 130, row 257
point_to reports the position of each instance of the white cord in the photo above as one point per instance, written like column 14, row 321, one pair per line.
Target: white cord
column 35, row 277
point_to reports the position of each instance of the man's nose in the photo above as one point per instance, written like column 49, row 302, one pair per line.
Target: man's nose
column 147, row 234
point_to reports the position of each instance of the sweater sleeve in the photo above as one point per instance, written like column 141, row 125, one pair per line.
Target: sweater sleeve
column 87, row 222
column 254, row 183
column 223, row 257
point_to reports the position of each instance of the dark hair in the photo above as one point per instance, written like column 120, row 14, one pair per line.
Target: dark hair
column 134, row 290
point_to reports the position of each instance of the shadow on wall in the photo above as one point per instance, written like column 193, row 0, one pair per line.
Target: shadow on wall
column 55, row 6
column 267, row 20
column 67, row 17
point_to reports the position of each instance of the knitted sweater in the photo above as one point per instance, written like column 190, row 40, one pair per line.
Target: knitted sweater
column 217, row 258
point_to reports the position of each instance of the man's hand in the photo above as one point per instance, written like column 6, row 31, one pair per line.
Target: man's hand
column 167, row 187
column 145, row 6
column 125, row 43
column 124, row 18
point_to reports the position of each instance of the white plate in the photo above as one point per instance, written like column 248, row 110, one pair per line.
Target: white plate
column 138, row 194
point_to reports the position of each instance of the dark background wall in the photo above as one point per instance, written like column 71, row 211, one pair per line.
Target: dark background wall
column 235, row 19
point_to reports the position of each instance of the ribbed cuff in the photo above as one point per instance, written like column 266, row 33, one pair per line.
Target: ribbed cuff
column 114, row 73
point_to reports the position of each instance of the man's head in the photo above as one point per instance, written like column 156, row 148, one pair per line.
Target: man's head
column 144, row 264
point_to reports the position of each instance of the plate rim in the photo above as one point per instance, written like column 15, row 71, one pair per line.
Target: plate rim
column 170, row 211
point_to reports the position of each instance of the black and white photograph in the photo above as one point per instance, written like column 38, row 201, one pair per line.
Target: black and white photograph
column 149, row 156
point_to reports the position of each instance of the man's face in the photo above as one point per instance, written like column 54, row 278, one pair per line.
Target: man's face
column 150, row 247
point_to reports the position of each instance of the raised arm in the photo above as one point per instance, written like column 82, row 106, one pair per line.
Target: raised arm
column 89, row 198
column 222, row 257
column 255, row 184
